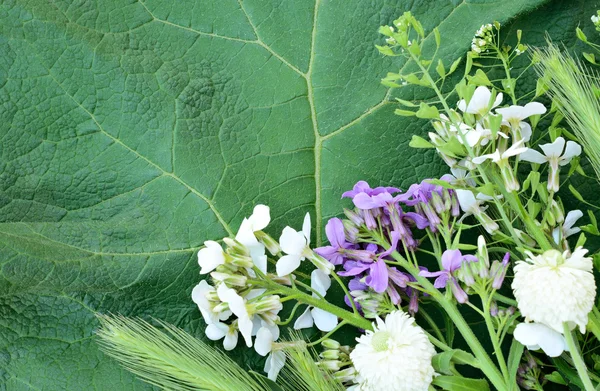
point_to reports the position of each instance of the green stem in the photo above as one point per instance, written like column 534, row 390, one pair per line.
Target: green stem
column 347, row 316
column 494, row 337
column 577, row 359
column 341, row 284
column 594, row 322
column 486, row 364
column 329, row 334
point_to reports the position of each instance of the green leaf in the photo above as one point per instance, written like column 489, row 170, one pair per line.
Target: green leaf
column 133, row 131
column 457, row 383
column 427, row 112
column 480, row 79
column 420, row 142
column 440, row 69
column 575, row 193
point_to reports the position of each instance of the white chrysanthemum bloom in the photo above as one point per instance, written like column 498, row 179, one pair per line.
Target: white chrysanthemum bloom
column 395, row 356
column 553, row 288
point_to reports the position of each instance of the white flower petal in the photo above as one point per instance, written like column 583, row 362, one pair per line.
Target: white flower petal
column 539, row 336
column 304, row 321
column 525, row 131
column 245, row 325
column 199, row 297
column 498, row 100
column 573, row 149
column 216, row 331
column 325, row 321
column 533, row 108
column 320, row 282
column 466, row 199
column 231, row 340
column 263, row 342
column 210, row 257
column 292, row 241
column 275, row 362
column 572, row 218
column 554, row 149
column 287, row 264
column 306, row 227
column 493, row 156
column 480, row 101
column 533, row 156
column 462, row 105
column 260, row 217
column 261, row 263
column 245, row 234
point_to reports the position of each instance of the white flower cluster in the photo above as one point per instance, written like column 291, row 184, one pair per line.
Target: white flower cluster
column 552, row 289
column 596, row 19
column 483, row 37
column 395, row 356
column 235, row 305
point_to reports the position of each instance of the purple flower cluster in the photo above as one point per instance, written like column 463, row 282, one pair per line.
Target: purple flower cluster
column 380, row 210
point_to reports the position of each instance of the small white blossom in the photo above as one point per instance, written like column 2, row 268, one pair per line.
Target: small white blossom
column 200, row 295
column 537, row 336
column 501, row 159
column 297, row 247
column 218, row 330
column 480, row 102
column 473, row 206
column 553, row 288
column 395, row 356
column 567, row 228
column 210, row 256
column 556, row 154
column 515, row 114
column 259, row 219
column 324, row 320
column 237, row 306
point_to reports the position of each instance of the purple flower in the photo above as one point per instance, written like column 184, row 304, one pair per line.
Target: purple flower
column 452, row 260
column 363, row 187
column 337, row 238
column 498, row 271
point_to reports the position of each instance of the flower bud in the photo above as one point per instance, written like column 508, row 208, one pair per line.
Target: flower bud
column 330, row 354
column 270, row 244
column 331, row 365
column 354, row 217
column 229, row 279
column 345, row 375
column 331, row 344
column 350, row 231
column 494, row 308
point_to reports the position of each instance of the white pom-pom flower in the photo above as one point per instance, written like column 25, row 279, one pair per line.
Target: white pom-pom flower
column 395, row 356
column 553, row 288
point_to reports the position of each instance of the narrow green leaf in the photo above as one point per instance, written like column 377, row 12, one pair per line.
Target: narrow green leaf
column 440, row 69
column 420, row 142
column 427, row 112
column 456, row 383
column 575, row 193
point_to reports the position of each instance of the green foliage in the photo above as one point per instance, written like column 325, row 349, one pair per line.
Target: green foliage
column 171, row 359
column 571, row 84
column 133, row 131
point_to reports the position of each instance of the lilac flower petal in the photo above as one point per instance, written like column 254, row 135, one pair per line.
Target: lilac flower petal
column 419, row 220
column 441, row 281
column 378, row 277
column 354, row 271
column 399, row 278
column 335, row 232
column 356, row 284
column 427, row 273
column 360, row 187
column 458, row 292
column 395, row 236
column 470, row 258
column 379, row 190
column 451, row 260
column 393, row 294
column 364, row 201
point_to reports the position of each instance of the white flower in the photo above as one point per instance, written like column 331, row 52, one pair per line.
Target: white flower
column 395, row 356
column 539, row 336
column 324, row 320
column 264, row 344
column 199, row 296
column 480, row 102
column 237, row 305
column 553, row 288
column 210, row 257
column 556, row 155
column 473, row 206
column 216, row 331
column 567, row 228
column 501, row 159
column 515, row 114
column 259, row 219
column 294, row 244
